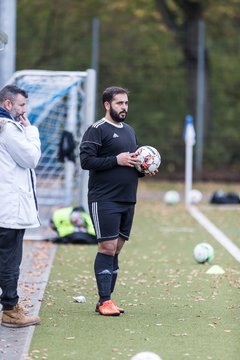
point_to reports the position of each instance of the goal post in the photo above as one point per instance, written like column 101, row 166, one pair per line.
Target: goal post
column 59, row 102
column 90, row 107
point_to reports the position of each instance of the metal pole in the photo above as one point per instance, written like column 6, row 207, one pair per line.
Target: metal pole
column 95, row 54
column 8, row 25
column 89, row 108
column 190, row 142
column 69, row 166
column 188, row 172
column 200, row 99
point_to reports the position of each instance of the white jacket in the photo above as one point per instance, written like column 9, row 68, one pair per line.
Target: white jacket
column 20, row 151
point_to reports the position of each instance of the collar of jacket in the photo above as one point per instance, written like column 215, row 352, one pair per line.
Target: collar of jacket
column 5, row 114
column 18, row 124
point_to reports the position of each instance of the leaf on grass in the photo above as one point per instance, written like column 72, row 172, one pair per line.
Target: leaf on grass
column 212, row 325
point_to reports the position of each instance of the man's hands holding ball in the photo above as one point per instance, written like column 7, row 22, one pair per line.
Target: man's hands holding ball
column 127, row 159
column 131, row 159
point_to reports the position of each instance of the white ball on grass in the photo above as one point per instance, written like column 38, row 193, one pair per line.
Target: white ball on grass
column 203, row 252
column 146, row 355
column 195, row 196
column 171, row 197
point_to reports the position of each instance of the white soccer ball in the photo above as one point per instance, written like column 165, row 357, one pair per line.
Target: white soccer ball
column 171, row 197
column 146, row 355
column 150, row 159
column 195, row 196
column 203, row 253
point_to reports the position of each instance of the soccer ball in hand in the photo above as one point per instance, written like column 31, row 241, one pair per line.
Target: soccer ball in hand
column 203, row 253
column 150, row 159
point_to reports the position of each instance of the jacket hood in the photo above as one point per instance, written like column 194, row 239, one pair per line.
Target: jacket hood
column 5, row 114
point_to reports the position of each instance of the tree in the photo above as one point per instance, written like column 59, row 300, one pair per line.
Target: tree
column 182, row 17
column 221, row 75
column 138, row 50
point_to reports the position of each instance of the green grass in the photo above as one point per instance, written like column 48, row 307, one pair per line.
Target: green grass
column 172, row 306
column 225, row 217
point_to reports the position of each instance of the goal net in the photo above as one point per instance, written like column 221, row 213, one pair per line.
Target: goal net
column 62, row 106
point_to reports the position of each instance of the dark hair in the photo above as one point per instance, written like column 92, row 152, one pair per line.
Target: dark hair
column 10, row 92
column 110, row 92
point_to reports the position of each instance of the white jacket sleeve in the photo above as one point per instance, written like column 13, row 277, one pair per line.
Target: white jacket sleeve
column 23, row 145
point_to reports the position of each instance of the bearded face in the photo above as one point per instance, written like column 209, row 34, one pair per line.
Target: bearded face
column 117, row 116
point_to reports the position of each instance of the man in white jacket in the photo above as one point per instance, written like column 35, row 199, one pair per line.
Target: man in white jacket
column 20, row 151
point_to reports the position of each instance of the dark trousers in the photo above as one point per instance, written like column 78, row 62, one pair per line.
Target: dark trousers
column 11, row 246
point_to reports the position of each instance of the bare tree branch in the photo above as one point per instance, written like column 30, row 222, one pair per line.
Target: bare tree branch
column 168, row 16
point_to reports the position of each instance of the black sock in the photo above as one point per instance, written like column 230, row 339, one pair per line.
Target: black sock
column 103, row 268
column 115, row 272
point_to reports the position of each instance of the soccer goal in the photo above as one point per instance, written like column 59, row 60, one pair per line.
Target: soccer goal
column 62, row 105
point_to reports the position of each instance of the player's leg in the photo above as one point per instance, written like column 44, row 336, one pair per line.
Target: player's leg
column 11, row 256
column 103, row 268
column 127, row 213
column 106, row 224
column 120, row 244
column 13, row 316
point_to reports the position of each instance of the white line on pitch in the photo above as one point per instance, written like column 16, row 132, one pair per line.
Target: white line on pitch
column 215, row 232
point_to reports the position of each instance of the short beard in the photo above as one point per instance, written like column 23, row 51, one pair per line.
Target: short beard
column 116, row 116
column 16, row 118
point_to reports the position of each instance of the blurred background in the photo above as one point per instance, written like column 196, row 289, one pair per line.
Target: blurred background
column 176, row 57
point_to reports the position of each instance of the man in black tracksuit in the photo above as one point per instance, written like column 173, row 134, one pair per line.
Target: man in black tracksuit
column 108, row 150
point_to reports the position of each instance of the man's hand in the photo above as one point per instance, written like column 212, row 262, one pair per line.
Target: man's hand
column 24, row 120
column 127, row 159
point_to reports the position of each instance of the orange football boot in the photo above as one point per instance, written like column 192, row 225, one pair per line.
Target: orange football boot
column 108, row 309
column 121, row 310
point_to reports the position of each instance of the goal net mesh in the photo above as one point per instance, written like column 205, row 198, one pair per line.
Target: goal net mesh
column 56, row 103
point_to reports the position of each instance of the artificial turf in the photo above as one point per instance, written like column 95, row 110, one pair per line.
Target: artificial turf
column 173, row 307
